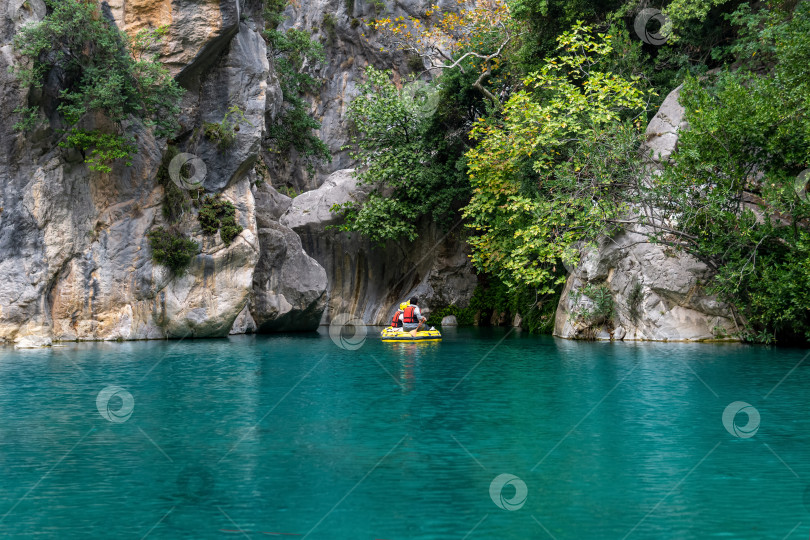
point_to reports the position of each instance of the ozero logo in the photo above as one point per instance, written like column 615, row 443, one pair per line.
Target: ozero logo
column 348, row 333
column 496, row 492
column 106, row 404
column 424, row 98
column 195, row 482
column 643, row 20
column 741, row 431
column 187, row 171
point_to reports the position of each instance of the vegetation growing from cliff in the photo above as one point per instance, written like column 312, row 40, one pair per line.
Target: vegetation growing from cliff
column 224, row 133
column 176, row 201
column 731, row 190
column 217, row 214
column 97, row 69
column 294, row 53
column 404, row 156
column 600, row 308
column 172, row 249
column 472, row 40
column 634, row 301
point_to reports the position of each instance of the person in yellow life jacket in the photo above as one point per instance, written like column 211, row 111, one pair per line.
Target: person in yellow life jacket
column 396, row 321
column 412, row 319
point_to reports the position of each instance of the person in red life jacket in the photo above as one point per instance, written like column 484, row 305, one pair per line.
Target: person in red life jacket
column 412, row 319
column 396, row 321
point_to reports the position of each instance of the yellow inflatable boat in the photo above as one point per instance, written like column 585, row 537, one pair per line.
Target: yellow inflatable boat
column 397, row 334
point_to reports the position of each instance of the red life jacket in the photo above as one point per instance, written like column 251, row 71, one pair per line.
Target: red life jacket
column 408, row 315
column 395, row 322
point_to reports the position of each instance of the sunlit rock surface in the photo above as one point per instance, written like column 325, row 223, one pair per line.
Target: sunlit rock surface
column 74, row 256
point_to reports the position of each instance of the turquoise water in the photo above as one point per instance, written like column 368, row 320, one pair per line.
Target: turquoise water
column 294, row 437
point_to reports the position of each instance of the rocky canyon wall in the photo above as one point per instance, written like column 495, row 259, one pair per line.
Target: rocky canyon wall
column 658, row 294
column 75, row 259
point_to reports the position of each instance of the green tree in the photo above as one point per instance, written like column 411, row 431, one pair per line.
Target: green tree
column 730, row 195
column 557, row 170
column 100, row 70
column 172, row 249
column 403, row 158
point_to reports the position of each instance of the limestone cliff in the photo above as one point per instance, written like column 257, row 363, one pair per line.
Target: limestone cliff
column 75, row 259
column 366, row 281
column 658, row 294
column 74, row 256
column 350, row 46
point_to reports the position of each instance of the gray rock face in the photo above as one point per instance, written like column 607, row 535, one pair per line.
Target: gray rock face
column 658, row 294
column 32, row 342
column 450, row 320
column 244, row 323
column 271, row 204
column 238, row 80
column 669, row 303
column 368, row 281
column 289, row 285
column 74, row 254
column 662, row 131
column 350, row 45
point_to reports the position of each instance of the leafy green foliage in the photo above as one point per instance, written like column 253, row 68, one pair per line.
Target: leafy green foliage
column 730, row 191
column 99, row 69
column 329, row 25
column 405, row 157
column 544, row 20
column 100, row 148
column 415, row 63
column 172, row 249
column 634, row 300
column 176, row 201
column 601, row 308
column 219, row 215
column 464, row 316
column 492, row 296
column 552, row 173
column 224, row 133
column 217, row 132
column 29, row 118
column 294, row 52
column 289, row 191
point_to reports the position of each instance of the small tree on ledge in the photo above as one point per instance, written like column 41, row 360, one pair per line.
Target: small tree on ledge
column 99, row 70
